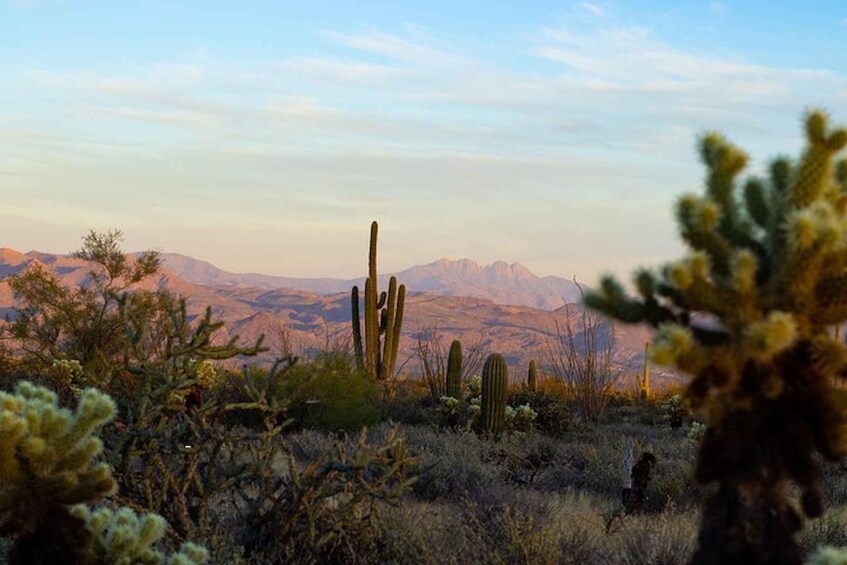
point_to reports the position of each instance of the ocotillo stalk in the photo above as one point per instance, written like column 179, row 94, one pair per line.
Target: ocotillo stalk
column 532, row 376
column 645, row 381
column 454, row 370
column 495, row 382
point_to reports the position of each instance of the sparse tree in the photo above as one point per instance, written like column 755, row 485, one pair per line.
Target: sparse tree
column 83, row 322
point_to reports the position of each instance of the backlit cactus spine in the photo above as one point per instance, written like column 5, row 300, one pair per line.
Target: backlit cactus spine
column 532, row 377
column 454, row 370
column 383, row 314
column 495, row 383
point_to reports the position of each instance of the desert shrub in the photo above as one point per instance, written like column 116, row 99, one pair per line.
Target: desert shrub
column 329, row 510
column 525, row 460
column 667, row 538
column 673, row 484
column 453, row 469
column 411, row 405
column 554, row 415
column 328, row 393
column 512, row 536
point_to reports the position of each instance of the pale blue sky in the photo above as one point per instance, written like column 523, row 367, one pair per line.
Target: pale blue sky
column 264, row 136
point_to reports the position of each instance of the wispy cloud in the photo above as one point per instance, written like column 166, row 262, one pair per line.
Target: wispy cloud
column 178, row 117
column 593, row 9
column 328, row 68
column 396, row 48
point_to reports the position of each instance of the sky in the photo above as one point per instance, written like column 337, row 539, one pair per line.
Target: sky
column 265, row 136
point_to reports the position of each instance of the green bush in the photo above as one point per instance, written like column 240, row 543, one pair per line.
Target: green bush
column 328, row 393
column 555, row 416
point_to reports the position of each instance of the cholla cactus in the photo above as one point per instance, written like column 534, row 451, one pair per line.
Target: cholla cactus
column 449, row 408
column 748, row 314
column 47, row 463
column 676, row 411
column 520, row 418
column 122, row 537
column 206, row 375
column 67, row 370
column 696, row 431
column 474, row 387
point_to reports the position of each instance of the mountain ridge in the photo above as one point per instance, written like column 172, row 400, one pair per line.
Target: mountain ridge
column 502, row 282
column 310, row 320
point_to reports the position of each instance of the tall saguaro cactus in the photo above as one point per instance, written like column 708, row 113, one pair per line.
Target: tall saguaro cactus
column 495, row 383
column 383, row 314
column 748, row 315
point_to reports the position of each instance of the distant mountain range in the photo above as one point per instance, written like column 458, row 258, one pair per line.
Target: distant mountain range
column 464, row 300
column 499, row 282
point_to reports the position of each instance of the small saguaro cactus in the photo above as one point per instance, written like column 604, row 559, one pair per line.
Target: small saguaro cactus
column 495, row 383
column 454, row 370
column 749, row 314
column 383, row 314
column 532, row 376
